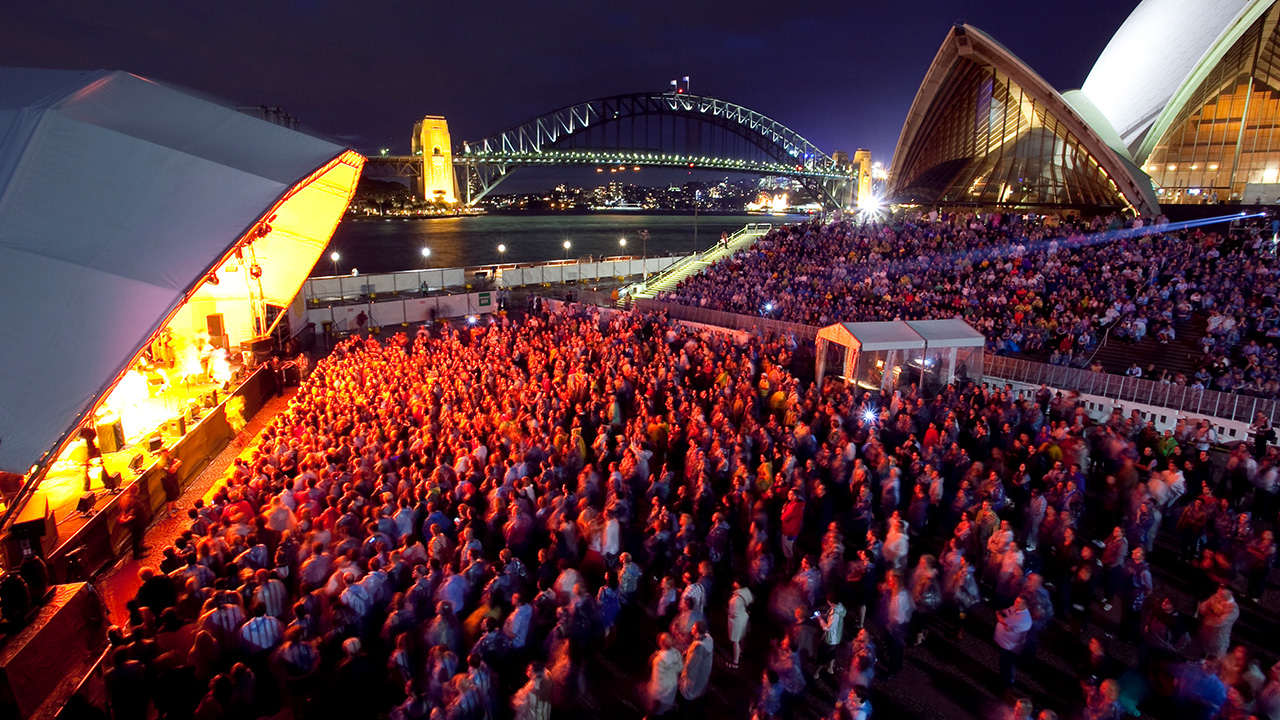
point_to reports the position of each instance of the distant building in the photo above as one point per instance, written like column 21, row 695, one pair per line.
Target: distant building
column 431, row 141
column 840, row 157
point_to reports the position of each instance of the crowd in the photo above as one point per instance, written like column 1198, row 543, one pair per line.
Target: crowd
column 1035, row 284
column 482, row 522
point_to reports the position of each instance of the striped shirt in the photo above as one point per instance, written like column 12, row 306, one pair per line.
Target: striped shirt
column 274, row 595
column 261, row 634
column 223, row 622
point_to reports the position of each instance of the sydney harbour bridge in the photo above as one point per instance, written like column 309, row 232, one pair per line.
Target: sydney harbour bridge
column 659, row 129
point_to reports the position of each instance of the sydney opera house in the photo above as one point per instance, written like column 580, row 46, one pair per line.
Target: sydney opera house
column 1182, row 106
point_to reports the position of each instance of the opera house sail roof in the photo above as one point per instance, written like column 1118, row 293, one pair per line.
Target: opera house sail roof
column 986, row 129
column 1218, row 136
column 1148, row 58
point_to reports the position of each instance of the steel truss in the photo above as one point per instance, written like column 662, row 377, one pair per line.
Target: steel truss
column 580, row 134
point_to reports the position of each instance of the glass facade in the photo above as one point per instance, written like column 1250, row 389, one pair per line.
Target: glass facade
column 987, row 141
column 1225, row 137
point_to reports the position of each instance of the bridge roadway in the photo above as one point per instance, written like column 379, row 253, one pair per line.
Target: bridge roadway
column 409, row 166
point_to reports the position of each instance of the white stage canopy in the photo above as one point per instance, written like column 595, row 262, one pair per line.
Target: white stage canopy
column 873, row 336
column 951, row 332
column 884, row 354
column 119, row 196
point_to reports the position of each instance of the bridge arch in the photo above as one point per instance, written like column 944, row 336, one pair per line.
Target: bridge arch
column 663, row 129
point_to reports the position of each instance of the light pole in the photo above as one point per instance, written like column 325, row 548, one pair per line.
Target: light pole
column 567, row 245
column 502, row 255
column 334, row 256
column 644, row 255
column 622, row 243
column 426, row 255
column 697, row 194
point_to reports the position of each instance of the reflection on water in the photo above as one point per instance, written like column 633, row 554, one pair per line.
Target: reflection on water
column 385, row 245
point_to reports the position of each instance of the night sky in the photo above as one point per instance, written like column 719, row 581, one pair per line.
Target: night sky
column 842, row 74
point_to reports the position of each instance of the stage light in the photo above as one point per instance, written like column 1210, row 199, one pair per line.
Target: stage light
column 212, row 279
column 255, row 271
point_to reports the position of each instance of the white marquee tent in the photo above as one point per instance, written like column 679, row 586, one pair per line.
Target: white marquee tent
column 877, row 354
column 120, row 199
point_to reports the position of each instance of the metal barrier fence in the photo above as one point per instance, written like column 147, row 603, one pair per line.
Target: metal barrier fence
column 343, row 288
column 1208, row 403
column 729, row 320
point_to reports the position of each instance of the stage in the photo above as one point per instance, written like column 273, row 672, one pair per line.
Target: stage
column 165, row 415
column 191, row 419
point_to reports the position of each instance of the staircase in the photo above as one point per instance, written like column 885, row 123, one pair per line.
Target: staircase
column 1180, row 355
column 691, row 265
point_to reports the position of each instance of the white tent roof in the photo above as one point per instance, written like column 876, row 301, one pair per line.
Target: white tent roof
column 951, row 332
column 872, row 336
column 118, row 195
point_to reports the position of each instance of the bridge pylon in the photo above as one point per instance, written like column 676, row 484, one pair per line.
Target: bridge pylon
column 430, row 141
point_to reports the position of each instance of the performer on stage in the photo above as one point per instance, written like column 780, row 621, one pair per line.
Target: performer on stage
column 220, row 368
column 189, row 365
column 90, row 436
column 206, row 352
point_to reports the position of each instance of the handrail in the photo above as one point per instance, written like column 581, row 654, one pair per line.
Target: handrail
column 717, row 251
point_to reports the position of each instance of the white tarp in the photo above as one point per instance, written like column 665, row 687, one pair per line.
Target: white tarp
column 951, row 332
column 873, row 336
column 118, row 195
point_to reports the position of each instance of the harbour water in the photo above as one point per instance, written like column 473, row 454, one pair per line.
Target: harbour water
column 389, row 244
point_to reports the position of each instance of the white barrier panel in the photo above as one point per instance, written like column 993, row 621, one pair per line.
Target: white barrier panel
column 344, row 316
column 453, row 277
column 1099, row 408
column 588, row 271
column 320, row 316
column 323, row 288
column 419, row 309
column 659, row 264
column 390, row 312
column 453, row 306
column 379, row 283
column 407, row 281
column 513, row 277
column 433, row 278
column 570, row 272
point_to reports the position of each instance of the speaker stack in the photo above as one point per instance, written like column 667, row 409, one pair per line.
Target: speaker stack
column 111, row 436
column 176, row 426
